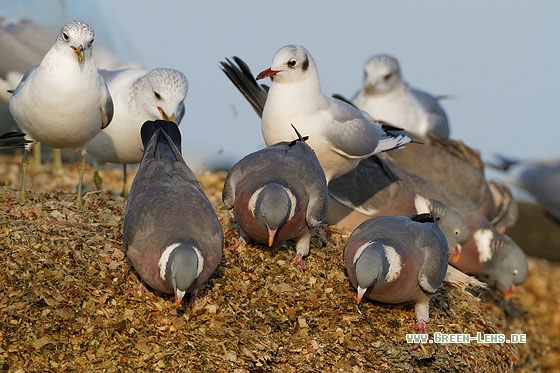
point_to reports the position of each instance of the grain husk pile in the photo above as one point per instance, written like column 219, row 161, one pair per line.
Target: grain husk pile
column 68, row 300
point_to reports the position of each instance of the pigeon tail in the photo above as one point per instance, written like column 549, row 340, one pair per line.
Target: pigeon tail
column 168, row 141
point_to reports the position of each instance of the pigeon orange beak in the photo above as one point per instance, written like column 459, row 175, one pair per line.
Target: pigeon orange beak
column 179, row 295
column 79, row 53
column 271, row 234
column 456, row 254
column 509, row 292
column 267, row 73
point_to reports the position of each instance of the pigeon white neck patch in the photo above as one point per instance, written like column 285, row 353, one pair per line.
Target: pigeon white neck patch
column 421, row 204
column 395, row 265
column 164, row 258
column 483, row 239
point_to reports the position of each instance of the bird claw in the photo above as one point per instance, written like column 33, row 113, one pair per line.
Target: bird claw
column 140, row 287
column 98, row 180
column 299, row 260
column 236, row 245
column 420, row 327
column 22, row 198
column 78, row 203
column 233, row 247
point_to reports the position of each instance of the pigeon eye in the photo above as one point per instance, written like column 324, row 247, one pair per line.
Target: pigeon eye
column 158, row 96
column 457, row 232
column 292, row 63
column 515, row 272
column 65, row 36
column 388, row 76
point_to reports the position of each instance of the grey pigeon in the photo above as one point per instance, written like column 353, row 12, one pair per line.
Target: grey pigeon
column 172, row 235
column 396, row 259
column 377, row 186
column 340, row 134
column 278, row 193
column 387, row 98
column 459, row 168
column 450, row 222
column 63, row 102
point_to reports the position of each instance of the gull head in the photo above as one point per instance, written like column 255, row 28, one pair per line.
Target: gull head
column 291, row 63
column 78, row 37
column 381, row 74
column 162, row 93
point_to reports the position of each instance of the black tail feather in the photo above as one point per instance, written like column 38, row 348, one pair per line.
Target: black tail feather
column 242, row 77
column 150, row 127
column 423, row 218
column 501, row 162
column 13, row 139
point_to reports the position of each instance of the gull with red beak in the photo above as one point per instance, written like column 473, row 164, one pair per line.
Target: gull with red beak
column 138, row 95
column 340, row 134
column 63, row 102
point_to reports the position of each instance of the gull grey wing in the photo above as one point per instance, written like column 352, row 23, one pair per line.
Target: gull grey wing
column 107, row 108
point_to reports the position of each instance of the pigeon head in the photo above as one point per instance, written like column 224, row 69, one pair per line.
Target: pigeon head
column 180, row 264
column 509, row 267
column 371, row 265
column 291, row 63
column 272, row 206
column 381, row 74
column 453, row 226
column 161, row 93
column 78, row 37
column 450, row 222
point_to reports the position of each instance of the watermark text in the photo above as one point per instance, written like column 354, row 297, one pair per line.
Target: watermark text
column 465, row 338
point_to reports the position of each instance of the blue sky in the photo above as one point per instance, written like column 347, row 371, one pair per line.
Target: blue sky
column 498, row 60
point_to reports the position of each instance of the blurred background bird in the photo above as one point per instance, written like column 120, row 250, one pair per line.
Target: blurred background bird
column 138, row 95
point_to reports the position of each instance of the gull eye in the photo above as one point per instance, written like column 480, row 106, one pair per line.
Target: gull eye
column 387, row 77
column 158, row 96
column 292, row 62
column 65, row 36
